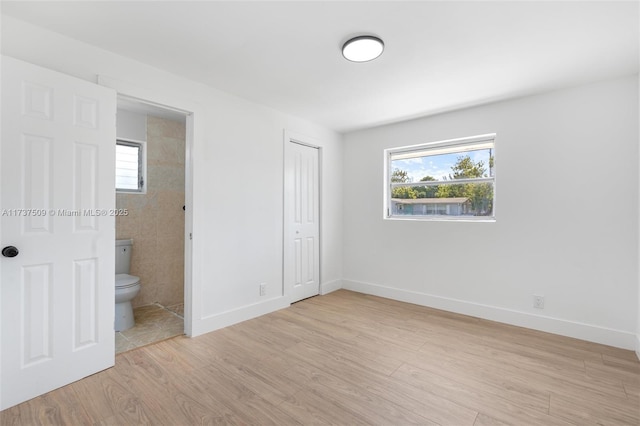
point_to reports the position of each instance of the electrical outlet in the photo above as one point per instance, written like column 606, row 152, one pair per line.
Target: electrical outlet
column 538, row 301
column 263, row 289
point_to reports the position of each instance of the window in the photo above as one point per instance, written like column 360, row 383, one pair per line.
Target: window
column 129, row 166
column 447, row 180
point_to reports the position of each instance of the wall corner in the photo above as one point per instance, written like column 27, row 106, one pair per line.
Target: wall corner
column 330, row 286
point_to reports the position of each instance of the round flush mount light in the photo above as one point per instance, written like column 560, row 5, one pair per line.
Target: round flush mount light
column 362, row 48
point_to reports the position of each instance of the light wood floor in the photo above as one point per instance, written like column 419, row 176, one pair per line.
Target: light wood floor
column 351, row 359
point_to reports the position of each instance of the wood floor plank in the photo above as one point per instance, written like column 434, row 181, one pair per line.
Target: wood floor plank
column 611, row 372
column 587, row 411
column 146, row 377
column 622, row 364
column 484, row 420
column 632, row 390
column 51, row 409
column 366, row 405
column 465, row 361
column 369, row 323
column 243, row 402
column 64, row 409
column 171, row 353
column 318, row 324
column 260, row 379
column 480, row 379
column 495, row 406
column 499, row 349
column 216, row 411
column 509, row 338
column 354, row 359
column 308, row 407
column 104, row 394
column 377, row 358
column 425, row 403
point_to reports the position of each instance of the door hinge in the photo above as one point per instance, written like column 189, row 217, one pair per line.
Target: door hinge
column 190, row 235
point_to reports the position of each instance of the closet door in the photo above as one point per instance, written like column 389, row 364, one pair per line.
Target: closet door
column 302, row 221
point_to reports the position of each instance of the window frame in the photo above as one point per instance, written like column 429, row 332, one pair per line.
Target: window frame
column 449, row 146
column 142, row 165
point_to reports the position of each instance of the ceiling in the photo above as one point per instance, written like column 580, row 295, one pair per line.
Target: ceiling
column 439, row 56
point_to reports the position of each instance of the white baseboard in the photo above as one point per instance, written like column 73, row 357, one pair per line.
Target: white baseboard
column 589, row 332
column 234, row 316
column 328, row 287
column 244, row 313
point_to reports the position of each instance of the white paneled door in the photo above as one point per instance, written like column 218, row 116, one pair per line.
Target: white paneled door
column 302, row 222
column 56, row 200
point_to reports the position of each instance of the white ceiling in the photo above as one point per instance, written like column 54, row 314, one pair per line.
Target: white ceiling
column 439, row 55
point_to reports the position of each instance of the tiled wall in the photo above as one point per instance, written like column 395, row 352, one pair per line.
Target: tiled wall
column 156, row 219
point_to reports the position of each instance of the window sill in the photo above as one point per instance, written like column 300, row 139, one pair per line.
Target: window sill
column 130, row 192
column 487, row 219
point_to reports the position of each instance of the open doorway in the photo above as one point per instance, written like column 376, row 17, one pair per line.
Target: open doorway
column 151, row 199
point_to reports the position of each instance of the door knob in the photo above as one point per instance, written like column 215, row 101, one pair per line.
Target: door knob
column 10, row 251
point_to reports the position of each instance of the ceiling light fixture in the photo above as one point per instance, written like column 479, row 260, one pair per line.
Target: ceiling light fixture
column 362, row 48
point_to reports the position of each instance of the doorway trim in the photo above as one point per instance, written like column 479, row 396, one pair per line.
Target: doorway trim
column 131, row 93
column 300, row 139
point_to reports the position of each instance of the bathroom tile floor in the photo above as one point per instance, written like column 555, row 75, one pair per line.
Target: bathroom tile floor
column 177, row 309
column 153, row 323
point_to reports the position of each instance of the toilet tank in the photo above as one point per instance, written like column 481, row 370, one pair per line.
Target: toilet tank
column 123, row 256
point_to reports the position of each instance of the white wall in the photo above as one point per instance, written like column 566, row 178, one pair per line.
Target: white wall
column 567, row 216
column 131, row 125
column 237, row 175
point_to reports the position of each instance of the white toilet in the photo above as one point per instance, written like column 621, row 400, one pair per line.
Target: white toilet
column 127, row 286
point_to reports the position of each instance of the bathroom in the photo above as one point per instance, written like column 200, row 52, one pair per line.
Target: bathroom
column 154, row 221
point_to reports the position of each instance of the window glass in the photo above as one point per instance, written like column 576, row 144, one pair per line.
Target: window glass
column 450, row 179
column 129, row 176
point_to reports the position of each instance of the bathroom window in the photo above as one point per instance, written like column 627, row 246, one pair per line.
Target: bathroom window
column 446, row 180
column 130, row 170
